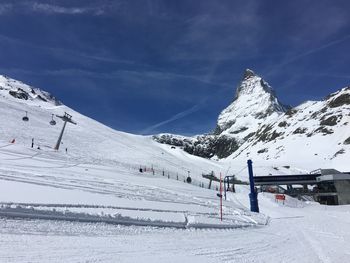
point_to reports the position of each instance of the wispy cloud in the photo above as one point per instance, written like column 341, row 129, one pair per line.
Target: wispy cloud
column 5, row 8
column 318, row 22
column 116, row 74
column 56, row 9
column 214, row 32
column 64, row 52
column 173, row 118
column 305, row 54
column 329, row 75
column 317, row 49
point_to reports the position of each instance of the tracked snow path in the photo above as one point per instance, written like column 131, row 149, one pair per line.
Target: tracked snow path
column 293, row 236
column 36, row 185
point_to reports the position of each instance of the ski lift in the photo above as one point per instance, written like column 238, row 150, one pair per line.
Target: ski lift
column 52, row 122
column 25, row 118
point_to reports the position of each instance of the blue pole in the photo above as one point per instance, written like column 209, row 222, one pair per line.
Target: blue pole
column 253, row 196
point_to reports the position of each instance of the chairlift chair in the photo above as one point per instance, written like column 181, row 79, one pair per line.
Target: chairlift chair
column 52, row 122
column 25, row 118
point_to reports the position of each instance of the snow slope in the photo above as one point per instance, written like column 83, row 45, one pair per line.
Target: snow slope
column 89, row 140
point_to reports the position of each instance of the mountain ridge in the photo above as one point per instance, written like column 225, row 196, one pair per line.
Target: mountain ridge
column 20, row 90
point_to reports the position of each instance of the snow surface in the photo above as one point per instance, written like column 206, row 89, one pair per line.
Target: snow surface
column 92, row 204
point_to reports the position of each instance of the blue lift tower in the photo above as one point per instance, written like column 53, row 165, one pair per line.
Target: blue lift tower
column 253, row 196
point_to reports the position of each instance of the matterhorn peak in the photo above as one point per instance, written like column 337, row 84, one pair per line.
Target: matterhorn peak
column 248, row 73
column 251, row 83
column 254, row 101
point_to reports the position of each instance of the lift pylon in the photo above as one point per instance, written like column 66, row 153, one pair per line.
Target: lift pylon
column 66, row 118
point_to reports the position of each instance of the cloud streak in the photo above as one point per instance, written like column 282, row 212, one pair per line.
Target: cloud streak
column 307, row 53
column 117, row 74
column 56, row 9
column 69, row 52
column 173, row 118
column 5, row 8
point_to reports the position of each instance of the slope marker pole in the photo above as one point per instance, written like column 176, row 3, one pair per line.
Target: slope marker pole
column 220, row 197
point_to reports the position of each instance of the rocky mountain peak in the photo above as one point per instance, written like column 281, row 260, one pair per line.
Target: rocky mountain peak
column 254, row 101
column 248, row 73
column 253, row 84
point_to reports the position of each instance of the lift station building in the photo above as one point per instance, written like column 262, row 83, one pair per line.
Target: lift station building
column 326, row 186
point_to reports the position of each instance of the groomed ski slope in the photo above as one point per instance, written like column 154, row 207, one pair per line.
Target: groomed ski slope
column 83, row 203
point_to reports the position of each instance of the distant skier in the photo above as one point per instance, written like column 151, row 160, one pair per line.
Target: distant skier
column 66, row 150
column 13, row 141
column 32, row 142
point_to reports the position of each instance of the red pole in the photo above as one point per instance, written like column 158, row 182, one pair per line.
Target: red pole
column 220, row 198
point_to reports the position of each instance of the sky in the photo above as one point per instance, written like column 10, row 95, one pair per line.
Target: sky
column 153, row 66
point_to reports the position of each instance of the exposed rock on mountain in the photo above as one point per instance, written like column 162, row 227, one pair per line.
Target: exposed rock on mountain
column 22, row 91
column 206, row 146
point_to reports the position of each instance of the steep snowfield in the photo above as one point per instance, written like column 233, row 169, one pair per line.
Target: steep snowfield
column 92, row 204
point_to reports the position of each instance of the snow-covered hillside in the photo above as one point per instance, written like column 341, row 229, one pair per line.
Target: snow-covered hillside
column 90, row 140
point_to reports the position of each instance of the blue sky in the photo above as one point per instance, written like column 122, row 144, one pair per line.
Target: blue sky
column 171, row 66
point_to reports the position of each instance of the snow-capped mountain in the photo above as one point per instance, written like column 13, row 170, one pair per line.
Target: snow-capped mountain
column 254, row 103
column 257, row 125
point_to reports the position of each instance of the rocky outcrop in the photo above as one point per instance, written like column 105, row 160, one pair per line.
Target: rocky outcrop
column 22, row 91
column 206, row 146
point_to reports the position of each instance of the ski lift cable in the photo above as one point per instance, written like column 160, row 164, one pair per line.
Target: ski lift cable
column 244, row 167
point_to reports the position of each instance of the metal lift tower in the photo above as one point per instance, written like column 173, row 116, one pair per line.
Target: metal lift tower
column 66, row 118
